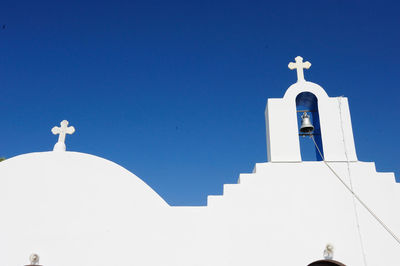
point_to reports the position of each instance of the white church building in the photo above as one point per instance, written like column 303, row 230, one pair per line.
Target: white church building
column 77, row 209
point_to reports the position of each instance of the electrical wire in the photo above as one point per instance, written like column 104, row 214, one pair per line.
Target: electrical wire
column 396, row 238
column 351, row 185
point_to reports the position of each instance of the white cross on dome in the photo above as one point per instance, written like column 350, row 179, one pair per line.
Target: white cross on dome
column 62, row 131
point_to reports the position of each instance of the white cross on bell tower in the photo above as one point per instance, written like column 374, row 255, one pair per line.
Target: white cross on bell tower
column 62, row 131
column 299, row 66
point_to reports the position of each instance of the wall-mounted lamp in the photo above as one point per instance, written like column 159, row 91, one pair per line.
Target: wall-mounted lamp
column 34, row 259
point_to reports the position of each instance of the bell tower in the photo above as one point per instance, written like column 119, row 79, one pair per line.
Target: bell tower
column 329, row 118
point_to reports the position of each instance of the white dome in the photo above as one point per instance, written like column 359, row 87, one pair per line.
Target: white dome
column 69, row 204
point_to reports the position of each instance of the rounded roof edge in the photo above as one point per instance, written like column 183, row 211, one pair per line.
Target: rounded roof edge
column 77, row 167
column 305, row 86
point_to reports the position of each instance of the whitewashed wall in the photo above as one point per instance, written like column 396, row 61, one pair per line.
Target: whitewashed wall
column 78, row 209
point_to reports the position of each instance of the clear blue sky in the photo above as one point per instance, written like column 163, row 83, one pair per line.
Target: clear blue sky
column 175, row 91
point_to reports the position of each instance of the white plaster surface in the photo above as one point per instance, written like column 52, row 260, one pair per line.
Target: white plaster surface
column 78, row 209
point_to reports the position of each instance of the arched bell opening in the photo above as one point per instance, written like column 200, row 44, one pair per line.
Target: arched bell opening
column 326, row 263
column 309, row 126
